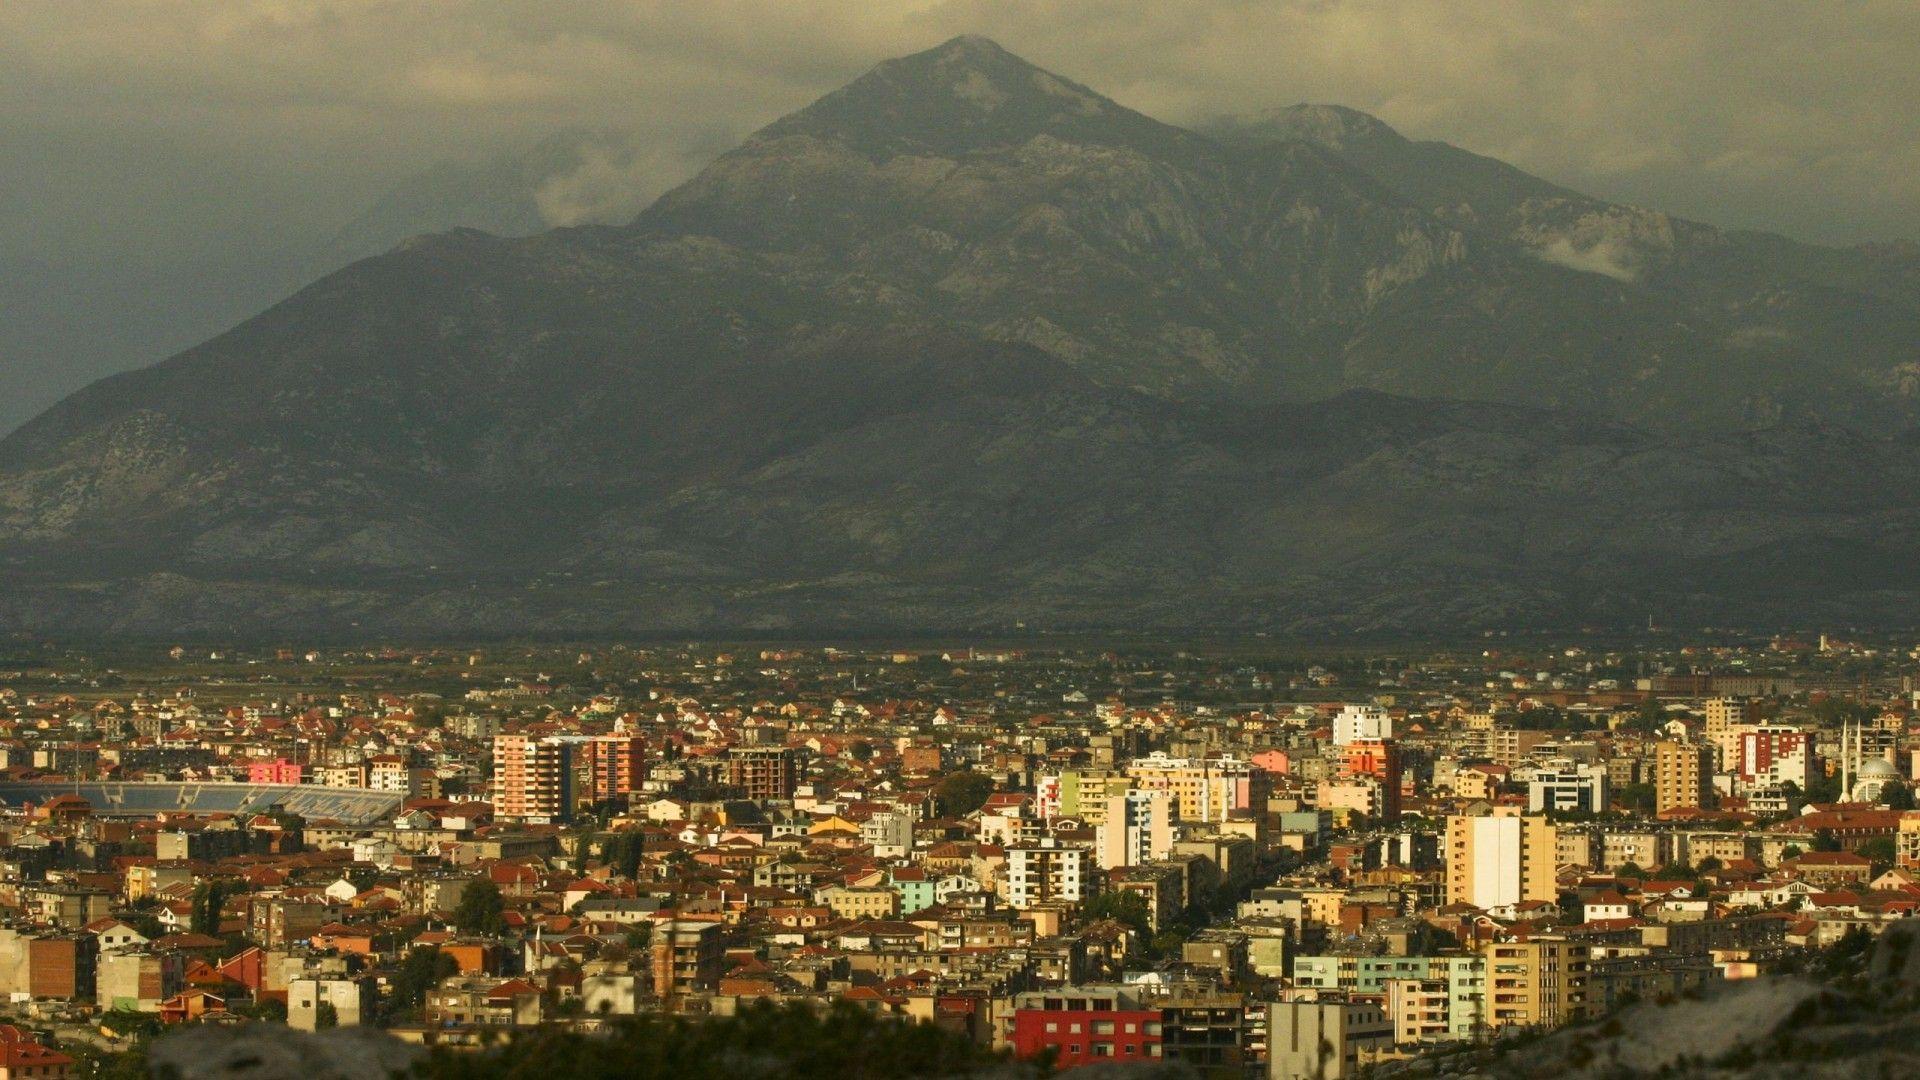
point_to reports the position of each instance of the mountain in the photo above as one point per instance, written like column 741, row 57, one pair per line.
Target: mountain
column 964, row 344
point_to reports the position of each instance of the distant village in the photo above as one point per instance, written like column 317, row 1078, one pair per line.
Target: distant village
column 1247, row 859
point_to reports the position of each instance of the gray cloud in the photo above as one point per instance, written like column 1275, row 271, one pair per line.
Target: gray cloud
column 1796, row 116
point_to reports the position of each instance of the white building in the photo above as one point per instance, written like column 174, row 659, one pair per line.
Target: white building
column 1046, row 873
column 1359, row 723
column 1566, row 785
column 890, row 832
column 1138, row 829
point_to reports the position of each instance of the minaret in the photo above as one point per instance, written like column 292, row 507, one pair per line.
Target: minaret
column 1847, row 765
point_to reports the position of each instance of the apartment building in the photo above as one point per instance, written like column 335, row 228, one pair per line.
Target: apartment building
column 1682, row 776
column 1537, row 983
column 1204, row 789
column 615, row 766
column 532, row 778
column 762, row 772
column 1138, row 828
column 1500, row 860
column 1325, row 1040
column 1046, row 873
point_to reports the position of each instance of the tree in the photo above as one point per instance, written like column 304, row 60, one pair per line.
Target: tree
column 480, row 908
column 962, row 792
column 844, row 1041
column 209, row 900
column 861, row 751
column 1638, row 797
column 1122, row 906
column 1880, row 849
column 326, row 1016
column 1824, row 840
column 624, row 852
column 421, row 971
column 1897, row 797
column 1822, row 788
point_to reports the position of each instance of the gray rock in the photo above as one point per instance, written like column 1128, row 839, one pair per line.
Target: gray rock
column 278, row 1052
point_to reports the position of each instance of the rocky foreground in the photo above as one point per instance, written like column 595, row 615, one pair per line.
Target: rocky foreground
column 1854, row 1013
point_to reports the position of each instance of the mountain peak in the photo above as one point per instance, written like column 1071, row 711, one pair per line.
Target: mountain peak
column 969, row 94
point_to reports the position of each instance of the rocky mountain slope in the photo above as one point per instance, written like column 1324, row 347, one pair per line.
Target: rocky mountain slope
column 965, row 343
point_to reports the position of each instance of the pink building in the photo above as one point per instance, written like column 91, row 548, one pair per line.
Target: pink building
column 277, row 771
column 1273, row 761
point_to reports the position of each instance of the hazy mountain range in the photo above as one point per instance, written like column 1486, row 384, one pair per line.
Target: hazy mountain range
column 965, row 343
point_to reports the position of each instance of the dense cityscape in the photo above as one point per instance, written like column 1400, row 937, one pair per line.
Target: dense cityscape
column 1250, row 859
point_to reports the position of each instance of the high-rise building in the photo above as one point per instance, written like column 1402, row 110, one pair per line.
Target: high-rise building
column 1046, row 873
column 1138, row 828
column 1204, row 789
column 689, row 957
column 1728, row 719
column 1511, row 746
column 1682, row 776
column 1379, row 759
column 1772, row 755
column 1537, row 983
column 1500, row 860
column 615, row 766
column 532, row 778
column 1361, row 722
column 1565, row 785
column 763, row 772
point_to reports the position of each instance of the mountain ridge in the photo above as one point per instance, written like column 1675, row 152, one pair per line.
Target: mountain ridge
column 965, row 344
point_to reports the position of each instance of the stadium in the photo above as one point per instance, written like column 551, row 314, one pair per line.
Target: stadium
column 351, row 806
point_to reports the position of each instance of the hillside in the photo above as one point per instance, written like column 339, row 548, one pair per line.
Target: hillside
column 965, row 344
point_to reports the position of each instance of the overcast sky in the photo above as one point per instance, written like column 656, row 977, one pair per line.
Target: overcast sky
column 161, row 125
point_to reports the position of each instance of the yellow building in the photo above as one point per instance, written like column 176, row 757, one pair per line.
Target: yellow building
column 1682, row 776
column 1538, row 983
column 1203, row 789
column 862, row 902
column 1501, row 859
column 1727, row 720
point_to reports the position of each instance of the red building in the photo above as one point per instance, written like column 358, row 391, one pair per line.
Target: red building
column 1085, row 1027
column 277, row 771
column 1380, row 759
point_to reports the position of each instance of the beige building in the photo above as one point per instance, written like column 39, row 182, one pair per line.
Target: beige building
column 1326, row 1040
column 1501, row 859
column 1682, row 776
column 862, row 902
column 532, row 778
column 1538, row 983
column 1511, row 746
column 1203, row 789
column 1727, row 720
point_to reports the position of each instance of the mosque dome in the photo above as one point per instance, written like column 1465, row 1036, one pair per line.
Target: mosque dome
column 1878, row 769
